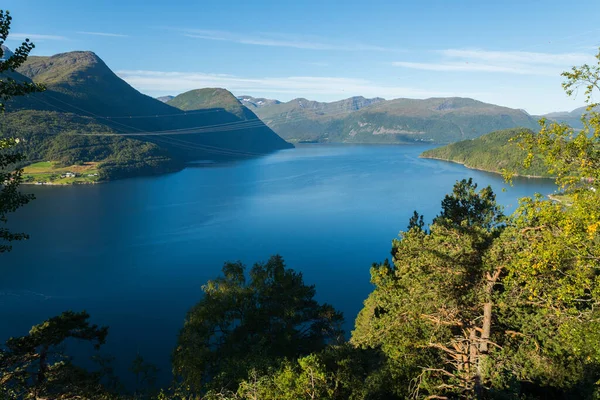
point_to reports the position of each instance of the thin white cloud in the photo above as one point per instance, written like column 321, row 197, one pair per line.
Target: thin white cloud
column 519, row 57
column 512, row 62
column 34, row 36
column 102, row 34
column 471, row 67
column 280, row 40
column 294, row 86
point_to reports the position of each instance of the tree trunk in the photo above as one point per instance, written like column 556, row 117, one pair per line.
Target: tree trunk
column 474, row 361
column 482, row 344
column 486, row 327
column 41, row 374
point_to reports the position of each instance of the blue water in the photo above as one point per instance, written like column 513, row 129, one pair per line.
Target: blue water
column 134, row 253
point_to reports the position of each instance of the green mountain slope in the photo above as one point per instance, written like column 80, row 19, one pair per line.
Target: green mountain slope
column 80, row 84
column 210, row 98
column 493, row 152
column 201, row 99
column 301, row 119
column 71, row 139
column 359, row 120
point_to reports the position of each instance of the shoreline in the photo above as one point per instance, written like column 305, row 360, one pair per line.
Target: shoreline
column 61, row 184
column 485, row 170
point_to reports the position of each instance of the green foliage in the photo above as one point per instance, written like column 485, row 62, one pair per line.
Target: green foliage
column 307, row 380
column 243, row 324
column 494, row 152
column 488, row 307
column 10, row 178
column 337, row 373
column 34, row 366
column 9, row 87
column 47, row 135
column 145, row 375
column 10, row 196
column 553, row 261
column 467, row 208
column 428, row 309
column 416, row 221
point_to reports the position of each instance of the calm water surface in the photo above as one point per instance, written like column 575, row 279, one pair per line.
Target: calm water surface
column 134, row 253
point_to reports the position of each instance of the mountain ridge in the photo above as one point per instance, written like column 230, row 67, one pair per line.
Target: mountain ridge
column 80, row 83
column 403, row 120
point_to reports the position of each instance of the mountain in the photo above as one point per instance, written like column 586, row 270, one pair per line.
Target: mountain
column 6, row 53
column 257, row 102
column 165, row 99
column 80, row 84
column 571, row 118
column 360, row 120
column 202, row 99
column 492, row 152
column 301, row 119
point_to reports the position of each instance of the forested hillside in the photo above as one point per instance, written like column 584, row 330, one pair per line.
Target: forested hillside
column 71, row 139
column 84, row 97
column 495, row 152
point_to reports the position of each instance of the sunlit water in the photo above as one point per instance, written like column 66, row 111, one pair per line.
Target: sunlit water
column 134, row 253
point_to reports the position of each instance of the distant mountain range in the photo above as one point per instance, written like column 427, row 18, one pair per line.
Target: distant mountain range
column 86, row 105
column 571, row 118
column 361, row 120
column 275, row 106
column 165, row 99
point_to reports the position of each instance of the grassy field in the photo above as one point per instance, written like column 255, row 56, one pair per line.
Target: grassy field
column 49, row 172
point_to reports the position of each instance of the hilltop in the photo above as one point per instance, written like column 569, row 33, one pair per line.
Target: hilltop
column 87, row 107
column 493, row 152
column 361, row 120
column 207, row 98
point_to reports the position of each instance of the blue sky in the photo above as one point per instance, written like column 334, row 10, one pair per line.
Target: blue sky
column 504, row 52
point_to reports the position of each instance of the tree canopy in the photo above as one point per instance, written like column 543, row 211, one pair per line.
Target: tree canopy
column 10, row 197
column 35, row 366
column 431, row 306
column 9, row 87
column 251, row 323
column 483, row 305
